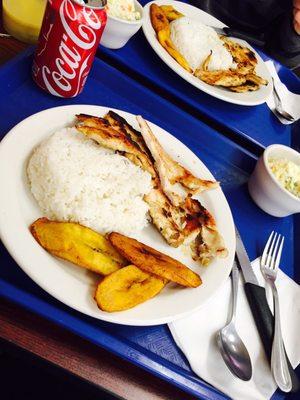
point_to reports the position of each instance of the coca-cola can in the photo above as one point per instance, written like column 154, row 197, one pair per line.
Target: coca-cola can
column 69, row 37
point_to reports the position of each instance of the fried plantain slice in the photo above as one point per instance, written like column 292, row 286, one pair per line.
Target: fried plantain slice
column 153, row 261
column 165, row 41
column 221, row 78
column 78, row 244
column 126, row 288
column 158, row 18
column 161, row 26
column 171, row 13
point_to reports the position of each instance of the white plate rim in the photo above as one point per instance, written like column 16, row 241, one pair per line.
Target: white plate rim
column 243, row 99
column 7, row 231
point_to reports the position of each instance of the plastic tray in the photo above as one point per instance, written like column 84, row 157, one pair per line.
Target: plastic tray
column 151, row 348
column 256, row 125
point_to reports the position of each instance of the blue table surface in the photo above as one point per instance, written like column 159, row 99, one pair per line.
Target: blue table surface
column 256, row 124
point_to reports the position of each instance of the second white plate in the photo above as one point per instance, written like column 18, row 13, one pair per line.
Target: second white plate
column 246, row 99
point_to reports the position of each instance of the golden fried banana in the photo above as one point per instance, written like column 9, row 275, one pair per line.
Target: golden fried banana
column 126, row 288
column 158, row 18
column 161, row 26
column 171, row 13
column 78, row 244
column 165, row 41
column 153, row 261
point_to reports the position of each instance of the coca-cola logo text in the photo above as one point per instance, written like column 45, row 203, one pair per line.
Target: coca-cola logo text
column 70, row 64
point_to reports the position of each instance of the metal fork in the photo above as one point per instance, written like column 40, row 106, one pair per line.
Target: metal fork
column 269, row 267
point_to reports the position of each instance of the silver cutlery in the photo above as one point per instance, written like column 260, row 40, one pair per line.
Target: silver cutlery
column 256, row 296
column 231, row 346
column 269, row 267
column 278, row 105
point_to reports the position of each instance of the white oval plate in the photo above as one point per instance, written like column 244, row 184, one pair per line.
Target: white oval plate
column 73, row 285
column 245, row 99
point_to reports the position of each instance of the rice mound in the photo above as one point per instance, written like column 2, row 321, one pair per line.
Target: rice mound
column 196, row 41
column 74, row 179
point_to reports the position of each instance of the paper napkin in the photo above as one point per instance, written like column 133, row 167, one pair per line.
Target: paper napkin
column 290, row 101
column 196, row 337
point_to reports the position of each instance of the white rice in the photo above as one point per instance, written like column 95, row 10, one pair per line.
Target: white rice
column 74, row 179
column 195, row 41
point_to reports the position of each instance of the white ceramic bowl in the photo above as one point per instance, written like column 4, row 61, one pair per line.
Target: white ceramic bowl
column 118, row 31
column 264, row 188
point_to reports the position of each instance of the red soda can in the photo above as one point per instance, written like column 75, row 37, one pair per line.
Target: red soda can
column 69, row 37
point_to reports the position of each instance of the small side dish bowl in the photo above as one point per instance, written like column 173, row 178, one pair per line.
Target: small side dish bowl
column 265, row 189
column 118, row 31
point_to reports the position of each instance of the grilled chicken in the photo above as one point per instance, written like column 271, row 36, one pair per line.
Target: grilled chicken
column 207, row 242
column 241, row 55
column 100, row 130
column 225, row 78
column 246, row 87
column 175, row 214
column 252, row 83
column 255, row 79
column 120, row 124
column 171, row 172
column 115, row 133
column 169, row 220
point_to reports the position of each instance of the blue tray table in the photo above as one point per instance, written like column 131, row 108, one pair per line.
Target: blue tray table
column 256, row 125
column 151, row 348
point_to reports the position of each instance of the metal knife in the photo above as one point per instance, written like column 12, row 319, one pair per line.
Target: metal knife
column 256, row 296
column 226, row 31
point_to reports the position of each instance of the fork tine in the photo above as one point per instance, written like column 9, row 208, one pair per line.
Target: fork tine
column 265, row 252
column 277, row 261
column 274, row 253
column 270, row 252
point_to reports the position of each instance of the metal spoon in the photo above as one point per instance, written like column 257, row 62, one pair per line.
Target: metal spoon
column 232, row 348
column 278, row 105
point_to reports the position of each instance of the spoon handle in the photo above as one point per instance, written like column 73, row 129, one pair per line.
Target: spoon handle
column 235, row 275
column 279, row 363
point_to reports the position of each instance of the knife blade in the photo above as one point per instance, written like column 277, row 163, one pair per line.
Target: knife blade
column 226, row 31
column 256, row 296
column 244, row 261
